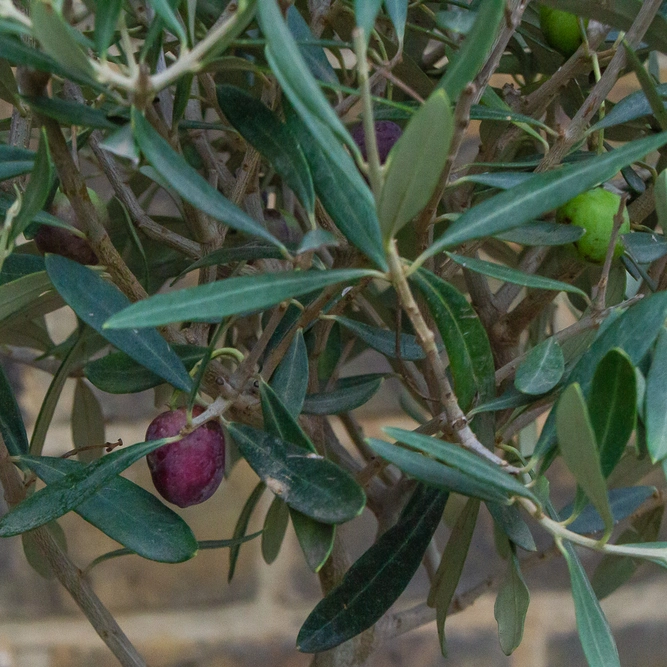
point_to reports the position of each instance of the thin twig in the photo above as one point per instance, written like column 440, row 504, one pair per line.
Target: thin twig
column 588, row 322
column 601, row 90
column 436, row 425
column 318, row 13
column 399, row 83
column 525, row 418
column 139, row 217
column 206, row 230
column 375, row 174
column 530, row 263
column 247, row 366
column 579, row 63
column 191, row 61
column 357, row 436
column 538, row 102
column 310, row 314
column 21, row 355
column 508, row 329
column 600, row 291
column 252, row 158
column 410, row 619
column 356, row 433
column 455, row 416
column 643, row 206
column 69, row 575
column 513, row 16
column 481, row 297
column 373, row 468
column 347, row 103
column 213, row 163
column 74, row 188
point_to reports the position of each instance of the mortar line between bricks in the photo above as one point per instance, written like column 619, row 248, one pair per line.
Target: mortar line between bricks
column 271, row 621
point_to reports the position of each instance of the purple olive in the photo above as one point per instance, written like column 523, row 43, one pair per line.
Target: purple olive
column 281, row 229
column 62, row 242
column 189, row 471
column 387, row 134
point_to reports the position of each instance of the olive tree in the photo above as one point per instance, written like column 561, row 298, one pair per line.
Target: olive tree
column 321, row 205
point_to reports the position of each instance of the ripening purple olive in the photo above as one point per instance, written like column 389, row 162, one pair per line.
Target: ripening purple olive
column 281, row 229
column 387, row 134
column 189, row 471
column 62, row 242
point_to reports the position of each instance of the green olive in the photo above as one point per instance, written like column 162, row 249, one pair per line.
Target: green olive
column 561, row 30
column 594, row 211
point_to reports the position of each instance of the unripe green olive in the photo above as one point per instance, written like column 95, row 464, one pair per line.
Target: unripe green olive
column 561, row 30
column 594, row 211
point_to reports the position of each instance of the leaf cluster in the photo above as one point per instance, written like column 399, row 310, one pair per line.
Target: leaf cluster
column 251, row 251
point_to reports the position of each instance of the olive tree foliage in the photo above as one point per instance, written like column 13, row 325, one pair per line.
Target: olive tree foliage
column 304, row 248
